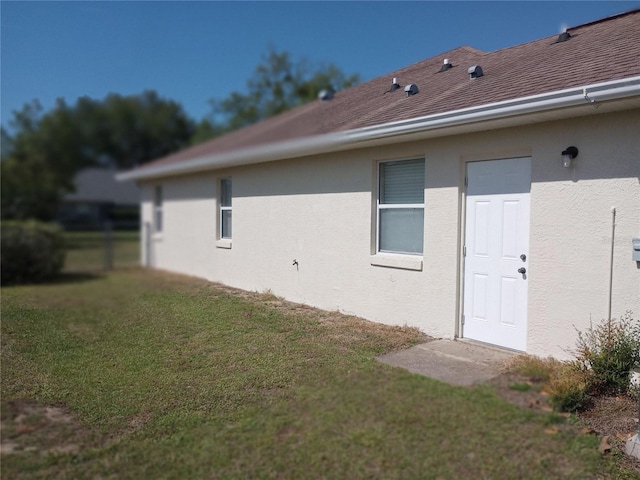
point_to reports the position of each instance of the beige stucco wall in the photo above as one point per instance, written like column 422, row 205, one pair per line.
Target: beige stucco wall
column 320, row 211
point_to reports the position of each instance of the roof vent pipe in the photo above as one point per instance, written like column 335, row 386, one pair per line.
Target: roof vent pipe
column 446, row 65
column 563, row 37
column 395, row 85
column 411, row 89
column 475, row 71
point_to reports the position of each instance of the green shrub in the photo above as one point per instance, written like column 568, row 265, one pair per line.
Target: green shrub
column 605, row 354
column 568, row 387
column 30, row 252
column 608, row 352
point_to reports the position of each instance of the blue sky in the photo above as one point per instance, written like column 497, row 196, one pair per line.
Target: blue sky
column 194, row 51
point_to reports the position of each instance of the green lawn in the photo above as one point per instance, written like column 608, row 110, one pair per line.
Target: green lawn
column 86, row 250
column 171, row 377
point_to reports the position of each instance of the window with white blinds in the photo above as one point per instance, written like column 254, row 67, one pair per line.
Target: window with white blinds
column 401, row 207
column 225, row 208
column 157, row 209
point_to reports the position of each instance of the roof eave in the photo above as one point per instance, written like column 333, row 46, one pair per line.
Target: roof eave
column 444, row 123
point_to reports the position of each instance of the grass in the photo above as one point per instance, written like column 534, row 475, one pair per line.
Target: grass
column 521, row 386
column 86, row 250
column 535, row 368
column 172, row 377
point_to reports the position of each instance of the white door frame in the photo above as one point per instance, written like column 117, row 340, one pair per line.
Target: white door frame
column 465, row 303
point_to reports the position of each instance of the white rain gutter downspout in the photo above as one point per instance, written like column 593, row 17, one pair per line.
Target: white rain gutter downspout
column 613, row 90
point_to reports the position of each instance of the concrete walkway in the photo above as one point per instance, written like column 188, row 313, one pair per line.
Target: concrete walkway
column 454, row 362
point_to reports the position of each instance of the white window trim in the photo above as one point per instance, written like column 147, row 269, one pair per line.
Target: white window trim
column 389, row 258
column 223, row 243
column 397, row 260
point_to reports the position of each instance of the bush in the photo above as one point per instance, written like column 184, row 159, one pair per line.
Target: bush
column 568, row 387
column 608, row 352
column 605, row 355
column 565, row 382
column 30, row 252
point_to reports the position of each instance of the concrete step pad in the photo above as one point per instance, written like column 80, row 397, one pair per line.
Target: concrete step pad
column 454, row 362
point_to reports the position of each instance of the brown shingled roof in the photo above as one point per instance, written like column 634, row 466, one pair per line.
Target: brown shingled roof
column 599, row 51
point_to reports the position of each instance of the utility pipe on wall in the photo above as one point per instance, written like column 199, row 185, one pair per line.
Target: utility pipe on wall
column 613, row 241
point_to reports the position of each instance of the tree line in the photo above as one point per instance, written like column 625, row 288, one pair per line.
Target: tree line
column 45, row 150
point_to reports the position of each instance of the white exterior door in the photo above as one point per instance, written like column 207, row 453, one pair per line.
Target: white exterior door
column 496, row 252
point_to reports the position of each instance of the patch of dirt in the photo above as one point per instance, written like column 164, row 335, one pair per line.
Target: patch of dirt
column 517, row 389
column 614, row 416
column 29, row 427
column 616, row 420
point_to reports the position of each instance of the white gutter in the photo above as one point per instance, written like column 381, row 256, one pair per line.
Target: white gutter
column 584, row 95
column 244, row 156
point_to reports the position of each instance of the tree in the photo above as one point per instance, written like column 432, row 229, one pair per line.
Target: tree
column 141, row 128
column 205, row 130
column 41, row 159
column 38, row 166
column 278, row 84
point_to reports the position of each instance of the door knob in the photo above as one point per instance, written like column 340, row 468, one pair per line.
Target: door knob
column 522, row 270
column 523, row 257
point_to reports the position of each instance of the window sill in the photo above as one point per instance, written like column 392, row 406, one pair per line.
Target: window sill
column 223, row 243
column 405, row 262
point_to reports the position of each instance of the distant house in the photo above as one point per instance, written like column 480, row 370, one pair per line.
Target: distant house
column 98, row 198
column 486, row 196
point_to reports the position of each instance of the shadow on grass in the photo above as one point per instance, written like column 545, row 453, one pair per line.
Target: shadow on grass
column 60, row 279
column 76, row 277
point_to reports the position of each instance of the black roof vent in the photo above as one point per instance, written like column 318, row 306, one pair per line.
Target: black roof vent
column 394, row 86
column 475, row 71
column 411, row 89
column 445, row 66
column 326, row 94
column 563, row 37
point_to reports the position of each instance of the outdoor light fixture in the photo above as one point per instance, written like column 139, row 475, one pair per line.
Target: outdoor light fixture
column 569, row 154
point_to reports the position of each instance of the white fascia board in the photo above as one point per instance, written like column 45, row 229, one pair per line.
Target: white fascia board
column 245, row 156
column 584, row 95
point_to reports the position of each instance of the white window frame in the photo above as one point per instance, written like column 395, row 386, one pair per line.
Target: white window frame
column 158, row 201
column 389, row 206
column 225, row 208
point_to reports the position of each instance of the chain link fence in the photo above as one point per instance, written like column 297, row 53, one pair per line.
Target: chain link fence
column 101, row 250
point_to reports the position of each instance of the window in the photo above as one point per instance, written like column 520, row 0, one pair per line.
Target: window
column 225, row 208
column 401, row 207
column 157, row 209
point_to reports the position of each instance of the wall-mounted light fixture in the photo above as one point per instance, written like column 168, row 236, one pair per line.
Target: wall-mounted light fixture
column 568, row 155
